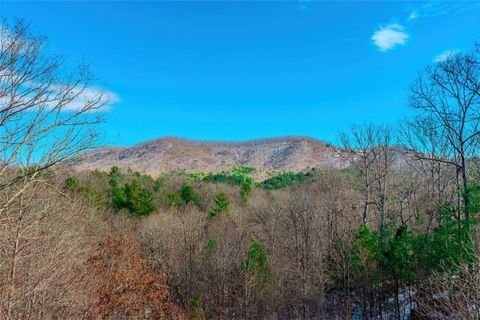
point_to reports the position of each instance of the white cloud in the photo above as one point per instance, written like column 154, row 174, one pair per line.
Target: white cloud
column 80, row 98
column 392, row 35
column 445, row 55
column 92, row 94
column 413, row 15
column 389, row 37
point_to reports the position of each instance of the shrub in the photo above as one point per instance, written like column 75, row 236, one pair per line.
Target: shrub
column 119, row 199
column 225, row 178
column 222, row 205
column 246, row 189
column 114, row 172
column 157, row 185
column 244, row 170
column 195, row 176
column 189, row 195
column 211, row 245
column 256, row 264
column 237, row 176
column 139, row 200
column 174, row 200
column 113, row 182
column 133, row 197
column 71, row 183
column 281, row 180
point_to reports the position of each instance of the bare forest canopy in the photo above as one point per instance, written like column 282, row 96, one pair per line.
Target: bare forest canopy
column 384, row 226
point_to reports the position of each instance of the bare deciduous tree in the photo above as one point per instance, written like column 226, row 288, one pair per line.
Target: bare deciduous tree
column 45, row 241
column 369, row 148
column 427, row 149
column 46, row 115
column 448, row 95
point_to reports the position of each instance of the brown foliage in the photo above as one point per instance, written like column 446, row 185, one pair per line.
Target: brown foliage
column 45, row 239
column 128, row 288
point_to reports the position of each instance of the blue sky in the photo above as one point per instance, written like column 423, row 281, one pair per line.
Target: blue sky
column 242, row 70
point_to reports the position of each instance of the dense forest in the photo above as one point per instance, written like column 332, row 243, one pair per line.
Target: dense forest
column 394, row 236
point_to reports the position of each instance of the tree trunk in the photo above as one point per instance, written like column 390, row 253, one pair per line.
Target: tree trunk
column 13, row 275
column 466, row 198
column 367, row 200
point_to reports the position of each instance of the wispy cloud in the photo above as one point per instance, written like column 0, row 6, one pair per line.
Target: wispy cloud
column 388, row 37
column 304, row 5
column 445, row 55
column 436, row 8
column 106, row 99
column 78, row 99
column 413, row 15
column 394, row 34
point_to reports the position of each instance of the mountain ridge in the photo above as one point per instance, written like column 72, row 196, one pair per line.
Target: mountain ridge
column 167, row 154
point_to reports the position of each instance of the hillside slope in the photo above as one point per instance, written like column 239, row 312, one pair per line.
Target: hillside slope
column 171, row 154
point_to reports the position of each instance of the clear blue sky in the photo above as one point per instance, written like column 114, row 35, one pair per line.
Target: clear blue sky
column 241, row 70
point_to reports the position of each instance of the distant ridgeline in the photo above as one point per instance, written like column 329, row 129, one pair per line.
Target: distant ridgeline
column 174, row 154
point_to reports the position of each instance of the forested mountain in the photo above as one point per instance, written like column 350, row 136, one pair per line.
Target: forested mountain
column 171, row 154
